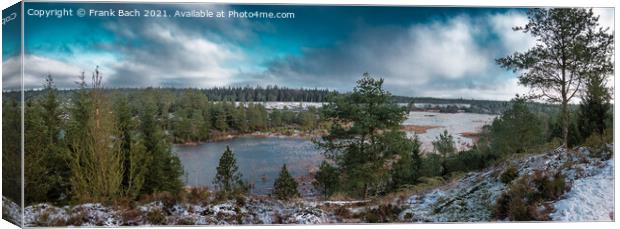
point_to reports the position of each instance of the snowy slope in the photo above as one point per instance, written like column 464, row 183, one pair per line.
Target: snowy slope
column 473, row 197
column 590, row 198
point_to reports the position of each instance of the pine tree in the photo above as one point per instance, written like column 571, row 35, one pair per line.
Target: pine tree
column 359, row 120
column 406, row 170
column 165, row 169
column 221, row 120
column 570, row 47
column 326, row 179
column 285, row 186
column 444, row 146
column 11, row 149
column 35, row 164
column 594, row 110
column 125, row 125
column 182, row 126
column 228, row 178
column 57, row 176
column 95, row 158
column 517, row 129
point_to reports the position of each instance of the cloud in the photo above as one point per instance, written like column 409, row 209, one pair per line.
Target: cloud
column 448, row 58
column 502, row 25
column 35, row 70
column 169, row 55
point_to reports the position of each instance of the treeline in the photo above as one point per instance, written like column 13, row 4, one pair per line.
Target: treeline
column 284, row 94
column 230, row 94
column 191, row 116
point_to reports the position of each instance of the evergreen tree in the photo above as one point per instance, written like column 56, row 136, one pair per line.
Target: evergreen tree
column 11, row 149
column 57, row 176
column 182, row 127
column 516, row 130
column 444, row 146
column 165, row 169
column 35, row 164
column 406, row 170
column 570, row 47
column 199, row 128
column 595, row 108
column 359, row 120
column 221, row 119
column 95, row 158
column 285, row 186
column 228, row 178
column 326, row 179
column 125, row 125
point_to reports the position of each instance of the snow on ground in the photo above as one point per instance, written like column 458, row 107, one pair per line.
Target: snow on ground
column 11, row 211
column 287, row 105
column 590, row 198
column 455, row 123
column 254, row 211
column 473, row 197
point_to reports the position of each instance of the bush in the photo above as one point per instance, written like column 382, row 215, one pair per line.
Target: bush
column 381, row 214
column 342, row 212
column 597, row 144
column 524, row 197
column 509, row 174
column 156, row 216
column 197, row 195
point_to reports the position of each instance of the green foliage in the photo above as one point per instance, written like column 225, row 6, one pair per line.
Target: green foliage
column 285, row 186
column 555, row 130
column 326, row 179
column 595, row 109
column 406, row 170
column 228, row 178
column 469, row 160
column 95, row 158
column 431, row 166
column 164, row 169
column 569, row 49
column 11, row 149
column 444, row 146
column 517, row 130
column 358, row 122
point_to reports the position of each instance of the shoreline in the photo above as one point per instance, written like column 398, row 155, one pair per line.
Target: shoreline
column 257, row 134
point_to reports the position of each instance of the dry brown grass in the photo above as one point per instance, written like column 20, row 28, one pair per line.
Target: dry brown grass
column 418, row 129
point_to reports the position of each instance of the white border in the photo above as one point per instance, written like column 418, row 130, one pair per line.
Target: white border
column 491, row 3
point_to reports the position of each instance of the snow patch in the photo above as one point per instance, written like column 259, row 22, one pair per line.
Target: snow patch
column 590, row 198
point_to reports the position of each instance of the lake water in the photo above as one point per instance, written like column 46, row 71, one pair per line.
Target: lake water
column 455, row 123
column 259, row 159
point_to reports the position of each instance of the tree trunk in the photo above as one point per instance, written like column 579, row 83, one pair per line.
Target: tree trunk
column 565, row 123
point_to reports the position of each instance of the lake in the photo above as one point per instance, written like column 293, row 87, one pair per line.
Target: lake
column 457, row 124
column 259, row 159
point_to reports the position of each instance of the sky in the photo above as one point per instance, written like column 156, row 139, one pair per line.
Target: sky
column 419, row 51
